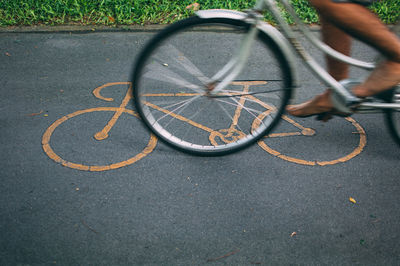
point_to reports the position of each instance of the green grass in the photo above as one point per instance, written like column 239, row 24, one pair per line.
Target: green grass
column 127, row 12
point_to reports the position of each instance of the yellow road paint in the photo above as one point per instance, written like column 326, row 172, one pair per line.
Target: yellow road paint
column 306, row 131
column 181, row 94
column 288, row 134
column 101, row 134
column 239, row 109
column 232, row 134
column 96, row 91
column 179, row 117
column 226, row 135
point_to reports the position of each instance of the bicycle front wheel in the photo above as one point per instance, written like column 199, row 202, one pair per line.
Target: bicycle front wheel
column 174, row 75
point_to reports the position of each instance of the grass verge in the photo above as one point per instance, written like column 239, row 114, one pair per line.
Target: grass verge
column 140, row 12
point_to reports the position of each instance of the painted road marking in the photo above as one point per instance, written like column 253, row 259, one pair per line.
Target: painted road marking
column 101, row 135
column 310, row 132
column 227, row 135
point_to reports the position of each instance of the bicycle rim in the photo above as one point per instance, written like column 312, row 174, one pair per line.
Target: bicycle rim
column 393, row 117
column 171, row 81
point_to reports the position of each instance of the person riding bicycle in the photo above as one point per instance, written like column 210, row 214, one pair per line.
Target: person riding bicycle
column 341, row 19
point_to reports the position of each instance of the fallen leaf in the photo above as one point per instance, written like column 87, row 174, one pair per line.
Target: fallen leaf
column 293, row 234
column 352, row 200
column 46, row 115
column 194, row 6
column 33, row 114
column 224, row 256
column 8, row 54
column 91, row 229
column 111, row 19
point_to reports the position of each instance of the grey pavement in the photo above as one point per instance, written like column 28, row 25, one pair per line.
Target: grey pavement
column 169, row 208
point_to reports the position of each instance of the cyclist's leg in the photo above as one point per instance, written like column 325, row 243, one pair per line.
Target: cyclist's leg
column 364, row 25
column 357, row 21
column 340, row 41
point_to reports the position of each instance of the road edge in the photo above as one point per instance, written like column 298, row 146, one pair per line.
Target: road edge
column 92, row 28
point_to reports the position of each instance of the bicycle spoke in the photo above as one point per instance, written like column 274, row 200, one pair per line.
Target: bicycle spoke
column 180, row 108
column 238, row 105
column 187, row 65
column 226, row 111
column 174, row 104
column 238, row 94
column 193, row 116
column 159, row 72
column 247, row 109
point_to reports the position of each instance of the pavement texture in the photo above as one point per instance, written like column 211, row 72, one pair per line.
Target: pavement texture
column 337, row 203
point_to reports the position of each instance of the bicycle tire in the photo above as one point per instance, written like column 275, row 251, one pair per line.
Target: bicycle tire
column 393, row 115
column 185, row 54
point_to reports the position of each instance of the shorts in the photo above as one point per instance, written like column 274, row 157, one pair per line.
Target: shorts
column 361, row 2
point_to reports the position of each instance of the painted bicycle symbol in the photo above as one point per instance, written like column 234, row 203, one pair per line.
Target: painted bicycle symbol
column 226, row 135
column 100, row 135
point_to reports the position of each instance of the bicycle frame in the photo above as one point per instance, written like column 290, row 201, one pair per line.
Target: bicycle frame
column 343, row 99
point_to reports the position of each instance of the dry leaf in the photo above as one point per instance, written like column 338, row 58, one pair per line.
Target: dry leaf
column 33, row 114
column 8, row 54
column 293, row 234
column 352, row 200
column 111, row 19
column 194, row 6
column 224, row 256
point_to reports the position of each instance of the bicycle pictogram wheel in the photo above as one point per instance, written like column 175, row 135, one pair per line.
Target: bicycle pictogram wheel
column 100, row 135
column 302, row 131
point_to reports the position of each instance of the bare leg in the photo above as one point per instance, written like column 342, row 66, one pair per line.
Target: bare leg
column 362, row 24
column 340, row 41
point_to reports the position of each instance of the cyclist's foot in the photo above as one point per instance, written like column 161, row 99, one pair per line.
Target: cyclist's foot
column 320, row 106
column 384, row 77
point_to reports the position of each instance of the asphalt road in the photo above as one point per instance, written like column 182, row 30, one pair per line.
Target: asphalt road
column 68, row 199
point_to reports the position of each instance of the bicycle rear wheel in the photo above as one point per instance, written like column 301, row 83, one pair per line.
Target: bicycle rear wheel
column 172, row 77
column 393, row 115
